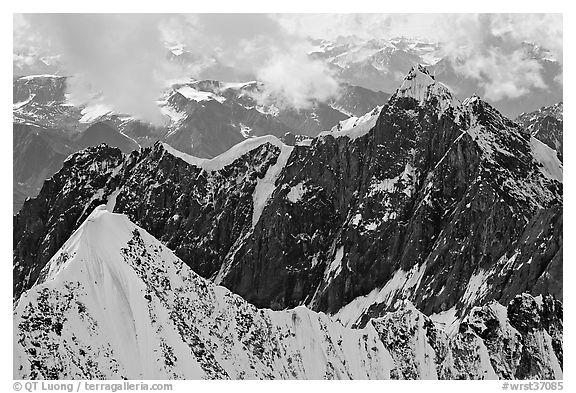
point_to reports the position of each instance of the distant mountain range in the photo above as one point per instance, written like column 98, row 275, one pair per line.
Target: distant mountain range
column 381, row 64
column 204, row 118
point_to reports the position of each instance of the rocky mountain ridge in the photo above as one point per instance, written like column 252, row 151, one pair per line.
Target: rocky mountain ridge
column 436, row 192
column 115, row 303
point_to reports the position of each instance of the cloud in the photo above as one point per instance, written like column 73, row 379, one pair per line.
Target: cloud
column 124, row 56
column 241, row 46
column 493, row 50
column 296, row 81
column 489, row 48
column 120, row 59
column 500, row 75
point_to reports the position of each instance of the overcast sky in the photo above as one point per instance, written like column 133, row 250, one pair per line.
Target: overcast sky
column 124, row 56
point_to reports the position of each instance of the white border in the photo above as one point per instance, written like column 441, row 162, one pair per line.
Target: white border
column 301, row 6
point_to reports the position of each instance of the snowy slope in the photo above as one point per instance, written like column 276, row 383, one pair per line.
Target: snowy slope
column 355, row 127
column 115, row 303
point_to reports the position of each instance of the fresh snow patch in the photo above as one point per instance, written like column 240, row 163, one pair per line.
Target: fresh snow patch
column 477, row 287
column 198, row 95
column 245, row 130
column 335, row 266
column 305, row 142
column 296, row 192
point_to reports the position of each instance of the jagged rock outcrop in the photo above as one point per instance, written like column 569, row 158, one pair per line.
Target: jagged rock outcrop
column 546, row 124
column 492, row 342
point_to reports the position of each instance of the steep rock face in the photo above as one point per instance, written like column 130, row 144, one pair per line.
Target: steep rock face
column 449, row 205
column 540, row 323
column 547, row 125
column 416, row 203
column 66, row 199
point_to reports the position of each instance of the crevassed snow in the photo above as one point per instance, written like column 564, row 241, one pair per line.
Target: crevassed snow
column 167, row 110
column 115, row 303
column 266, row 186
column 229, row 156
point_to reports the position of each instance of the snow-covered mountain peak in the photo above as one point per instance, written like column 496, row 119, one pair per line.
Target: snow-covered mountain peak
column 420, row 85
column 118, row 304
column 103, row 230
